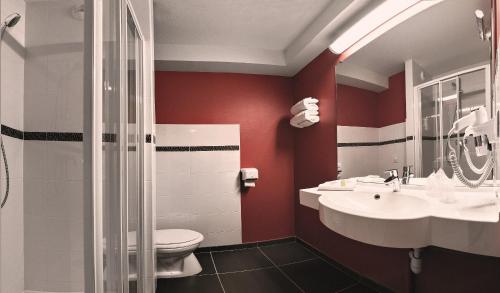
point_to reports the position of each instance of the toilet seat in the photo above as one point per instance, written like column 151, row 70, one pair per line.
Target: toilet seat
column 169, row 239
column 176, row 238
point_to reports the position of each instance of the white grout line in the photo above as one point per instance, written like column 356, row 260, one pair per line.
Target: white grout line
column 217, row 273
column 299, row 261
column 347, row 288
column 281, row 271
column 249, row 270
column 231, row 250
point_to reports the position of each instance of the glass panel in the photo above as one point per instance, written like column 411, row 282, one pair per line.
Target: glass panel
column 472, row 95
column 430, row 129
column 459, row 96
column 133, row 159
column 111, row 155
column 450, row 99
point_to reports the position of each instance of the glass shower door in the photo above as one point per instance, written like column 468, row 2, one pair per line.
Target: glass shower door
column 430, row 129
column 450, row 100
column 134, row 151
column 114, row 150
column 441, row 103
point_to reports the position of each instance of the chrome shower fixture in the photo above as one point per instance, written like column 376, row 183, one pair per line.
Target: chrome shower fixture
column 10, row 21
column 484, row 32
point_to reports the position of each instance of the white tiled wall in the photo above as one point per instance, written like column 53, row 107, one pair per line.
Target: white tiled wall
column 199, row 190
column 370, row 160
column 53, row 171
column 12, row 95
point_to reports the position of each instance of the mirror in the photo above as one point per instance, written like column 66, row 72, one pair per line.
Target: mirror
column 398, row 96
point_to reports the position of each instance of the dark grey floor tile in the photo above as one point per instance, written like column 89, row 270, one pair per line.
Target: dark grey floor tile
column 240, row 260
column 206, row 263
column 287, row 253
column 358, row 289
column 132, row 286
column 317, row 276
column 258, row 281
column 195, row 284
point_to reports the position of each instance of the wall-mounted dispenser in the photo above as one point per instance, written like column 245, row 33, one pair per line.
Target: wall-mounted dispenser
column 249, row 176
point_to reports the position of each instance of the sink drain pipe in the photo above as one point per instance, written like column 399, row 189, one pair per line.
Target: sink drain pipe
column 416, row 260
column 415, row 267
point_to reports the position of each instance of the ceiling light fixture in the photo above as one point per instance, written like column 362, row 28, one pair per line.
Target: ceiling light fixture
column 378, row 21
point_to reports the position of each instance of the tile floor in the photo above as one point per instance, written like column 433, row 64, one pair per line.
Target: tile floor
column 285, row 267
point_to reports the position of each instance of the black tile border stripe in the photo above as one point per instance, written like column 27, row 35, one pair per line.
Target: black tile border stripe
column 14, row 133
column 109, row 137
column 208, row 148
column 50, row 135
column 399, row 140
column 357, row 144
column 172, row 149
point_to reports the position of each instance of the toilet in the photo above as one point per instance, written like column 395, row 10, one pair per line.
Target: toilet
column 174, row 250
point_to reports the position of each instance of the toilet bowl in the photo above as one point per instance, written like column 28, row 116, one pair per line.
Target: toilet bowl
column 174, row 250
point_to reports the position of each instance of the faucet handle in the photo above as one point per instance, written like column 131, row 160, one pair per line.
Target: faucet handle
column 392, row 173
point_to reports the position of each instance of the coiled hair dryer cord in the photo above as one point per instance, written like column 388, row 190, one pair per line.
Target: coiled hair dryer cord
column 452, row 156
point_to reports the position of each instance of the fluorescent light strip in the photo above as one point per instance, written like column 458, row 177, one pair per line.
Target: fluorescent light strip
column 380, row 20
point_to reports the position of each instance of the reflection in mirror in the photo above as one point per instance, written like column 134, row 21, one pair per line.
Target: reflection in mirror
column 399, row 95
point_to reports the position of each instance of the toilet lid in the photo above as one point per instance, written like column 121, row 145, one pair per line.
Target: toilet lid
column 169, row 238
column 176, row 236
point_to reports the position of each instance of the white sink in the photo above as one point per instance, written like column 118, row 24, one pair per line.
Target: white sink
column 373, row 214
column 383, row 205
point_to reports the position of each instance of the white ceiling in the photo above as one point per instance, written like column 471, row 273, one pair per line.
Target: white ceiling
column 250, row 36
column 263, row 24
column 440, row 39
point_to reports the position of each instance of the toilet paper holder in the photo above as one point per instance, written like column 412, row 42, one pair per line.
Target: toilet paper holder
column 248, row 177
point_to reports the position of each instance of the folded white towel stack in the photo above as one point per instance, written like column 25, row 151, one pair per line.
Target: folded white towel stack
column 342, row 184
column 304, row 104
column 305, row 113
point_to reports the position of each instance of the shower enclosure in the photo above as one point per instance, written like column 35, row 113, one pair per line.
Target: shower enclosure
column 439, row 103
column 76, row 107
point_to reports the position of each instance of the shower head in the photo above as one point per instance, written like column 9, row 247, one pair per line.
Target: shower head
column 484, row 35
column 10, row 21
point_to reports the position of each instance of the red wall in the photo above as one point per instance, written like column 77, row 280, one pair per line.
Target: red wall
column 356, row 107
column 260, row 104
column 391, row 107
column 316, row 146
column 359, row 107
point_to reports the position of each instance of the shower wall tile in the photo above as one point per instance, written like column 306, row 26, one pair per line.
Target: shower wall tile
column 12, row 103
column 54, row 211
column 53, row 170
column 12, row 86
column 14, row 152
column 199, row 190
column 35, row 159
column 11, row 242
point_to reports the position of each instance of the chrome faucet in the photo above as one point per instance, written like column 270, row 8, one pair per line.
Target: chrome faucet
column 393, row 180
column 407, row 174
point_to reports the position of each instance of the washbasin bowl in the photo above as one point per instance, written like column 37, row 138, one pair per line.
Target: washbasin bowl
column 410, row 218
column 385, row 205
